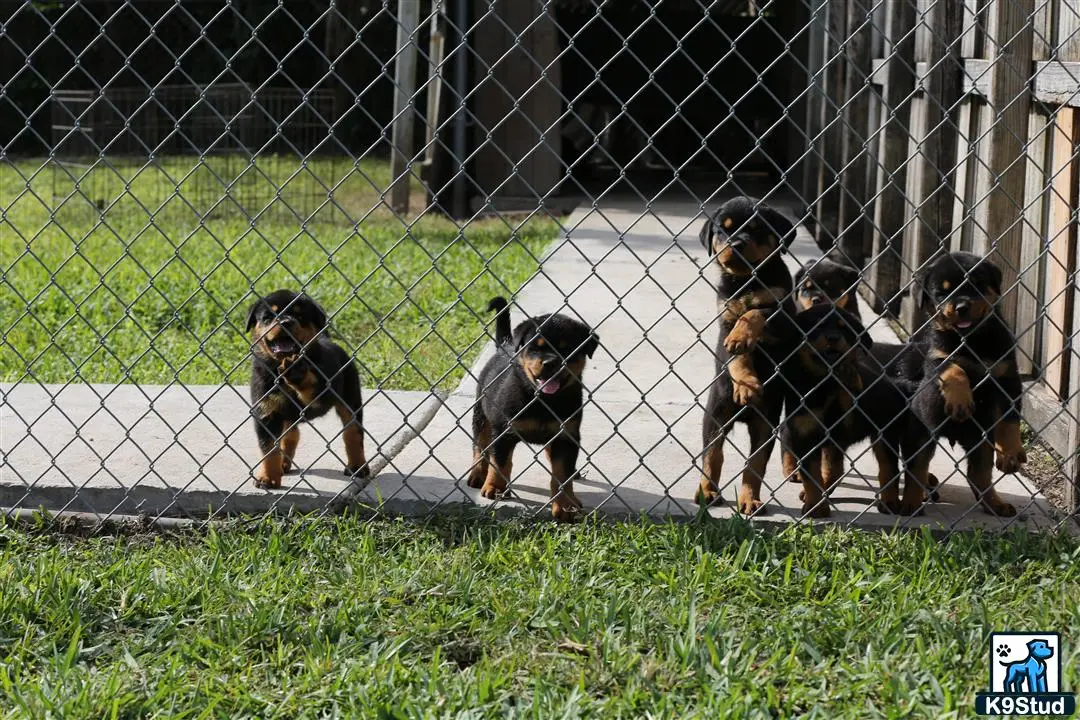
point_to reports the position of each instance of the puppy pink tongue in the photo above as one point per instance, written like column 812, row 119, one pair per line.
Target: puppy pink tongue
column 964, row 324
column 550, row 386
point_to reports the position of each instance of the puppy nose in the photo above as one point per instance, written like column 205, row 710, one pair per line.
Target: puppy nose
column 962, row 307
column 816, row 300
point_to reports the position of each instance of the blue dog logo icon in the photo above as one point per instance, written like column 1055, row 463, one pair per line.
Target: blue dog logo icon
column 1027, row 686
column 1031, row 671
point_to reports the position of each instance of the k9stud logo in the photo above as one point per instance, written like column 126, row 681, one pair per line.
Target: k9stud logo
column 1025, row 676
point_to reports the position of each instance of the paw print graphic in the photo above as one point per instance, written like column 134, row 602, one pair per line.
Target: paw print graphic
column 1003, row 651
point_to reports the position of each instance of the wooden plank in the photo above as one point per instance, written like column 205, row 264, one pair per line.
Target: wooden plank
column 1011, row 39
column 827, row 205
column 517, row 107
column 812, row 164
column 854, row 195
column 1072, row 404
column 1060, row 237
column 1067, row 40
column 879, row 71
column 978, row 77
column 891, row 209
column 1058, row 83
column 1028, row 303
column 937, row 151
column 1067, row 32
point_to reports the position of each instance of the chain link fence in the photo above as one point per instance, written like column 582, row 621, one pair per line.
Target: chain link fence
column 167, row 164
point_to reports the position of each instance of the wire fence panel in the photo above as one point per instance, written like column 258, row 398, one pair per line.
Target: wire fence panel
column 781, row 260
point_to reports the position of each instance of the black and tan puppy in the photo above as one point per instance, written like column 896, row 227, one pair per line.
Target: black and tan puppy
column 531, row 391
column 970, row 390
column 298, row 374
column 825, row 281
column 835, row 400
column 746, row 237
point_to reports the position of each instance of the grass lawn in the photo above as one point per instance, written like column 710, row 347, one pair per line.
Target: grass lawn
column 143, row 276
column 448, row 617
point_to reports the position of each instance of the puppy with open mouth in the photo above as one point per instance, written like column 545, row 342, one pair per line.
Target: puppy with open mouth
column 297, row 374
column 530, row 391
column 970, row 390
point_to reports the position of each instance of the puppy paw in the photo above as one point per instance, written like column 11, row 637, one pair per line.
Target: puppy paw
column 959, row 401
column 477, row 476
column 889, row 506
column 492, row 491
column 744, row 336
column 748, row 505
column 563, row 509
column 817, row 510
column 932, row 493
column 911, row 508
column 267, row 483
column 286, row 464
column 746, row 390
column 997, row 506
column 1010, row 461
column 708, row 494
column 361, row 471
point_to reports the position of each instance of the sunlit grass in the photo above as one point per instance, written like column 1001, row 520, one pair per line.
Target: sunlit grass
column 127, row 273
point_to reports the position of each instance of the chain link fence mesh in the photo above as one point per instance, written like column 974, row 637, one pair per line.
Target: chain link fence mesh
column 166, row 164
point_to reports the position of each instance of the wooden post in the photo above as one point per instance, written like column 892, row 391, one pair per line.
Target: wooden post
column 827, row 199
column 1010, row 36
column 404, row 111
column 934, row 158
column 857, row 90
column 1063, row 209
column 891, row 204
column 812, row 164
column 518, row 105
column 1032, row 264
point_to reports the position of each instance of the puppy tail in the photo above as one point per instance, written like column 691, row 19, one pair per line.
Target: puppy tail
column 502, row 319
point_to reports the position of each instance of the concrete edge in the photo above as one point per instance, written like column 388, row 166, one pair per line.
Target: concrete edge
column 392, row 448
column 420, row 510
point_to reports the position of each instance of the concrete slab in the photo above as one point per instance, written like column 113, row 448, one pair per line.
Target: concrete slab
column 639, row 277
column 644, row 282
column 175, row 450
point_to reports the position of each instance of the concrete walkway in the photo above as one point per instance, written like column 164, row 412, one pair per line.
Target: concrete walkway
column 186, row 450
column 653, row 303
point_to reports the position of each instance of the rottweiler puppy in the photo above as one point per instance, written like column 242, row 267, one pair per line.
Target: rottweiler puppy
column 834, row 401
column 297, row 374
column 531, row 391
column 755, row 306
column 970, row 391
column 825, row 281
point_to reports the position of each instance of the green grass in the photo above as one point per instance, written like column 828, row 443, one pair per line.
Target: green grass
column 154, row 286
column 453, row 618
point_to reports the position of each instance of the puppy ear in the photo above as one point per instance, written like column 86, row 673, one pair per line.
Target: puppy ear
column 779, row 224
column 919, row 292
column 850, row 276
column 523, row 334
column 314, row 314
column 252, row 313
column 591, row 344
column 801, row 273
column 706, row 235
column 990, row 276
column 855, row 325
